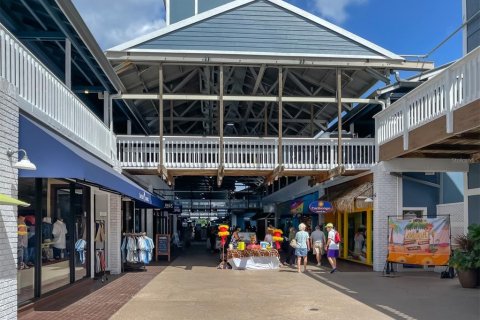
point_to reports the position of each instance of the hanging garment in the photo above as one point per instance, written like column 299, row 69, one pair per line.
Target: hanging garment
column 80, row 248
column 100, row 236
column 59, row 232
column 123, row 249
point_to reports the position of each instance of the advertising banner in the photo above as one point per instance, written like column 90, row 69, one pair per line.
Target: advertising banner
column 419, row 241
column 296, row 207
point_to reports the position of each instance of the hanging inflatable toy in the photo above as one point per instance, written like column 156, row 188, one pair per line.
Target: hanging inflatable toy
column 277, row 237
column 223, row 233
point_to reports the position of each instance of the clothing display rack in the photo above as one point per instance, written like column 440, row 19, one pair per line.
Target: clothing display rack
column 100, row 254
column 101, row 264
column 137, row 250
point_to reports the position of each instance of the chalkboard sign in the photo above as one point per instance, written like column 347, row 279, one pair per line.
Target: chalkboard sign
column 163, row 246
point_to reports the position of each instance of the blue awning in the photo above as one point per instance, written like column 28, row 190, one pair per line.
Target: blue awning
column 55, row 157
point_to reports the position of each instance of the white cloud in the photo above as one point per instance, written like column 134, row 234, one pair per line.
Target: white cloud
column 335, row 10
column 115, row 22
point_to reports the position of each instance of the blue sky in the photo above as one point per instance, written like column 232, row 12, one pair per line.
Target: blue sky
column 401, row 26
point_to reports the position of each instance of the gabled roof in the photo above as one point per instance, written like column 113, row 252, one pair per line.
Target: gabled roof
column 258, row 27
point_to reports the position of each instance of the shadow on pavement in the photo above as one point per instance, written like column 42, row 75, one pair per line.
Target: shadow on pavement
column 409, row 295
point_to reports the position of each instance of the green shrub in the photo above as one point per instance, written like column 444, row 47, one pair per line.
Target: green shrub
column 467, row 254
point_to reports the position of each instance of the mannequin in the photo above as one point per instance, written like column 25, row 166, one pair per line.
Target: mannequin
column 22, row 243
column 59, row 238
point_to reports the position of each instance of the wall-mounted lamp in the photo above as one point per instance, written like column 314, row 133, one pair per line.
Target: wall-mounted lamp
column 24, row 163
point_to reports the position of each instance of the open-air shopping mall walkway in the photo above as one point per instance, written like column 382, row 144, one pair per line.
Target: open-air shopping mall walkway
column 192, row 288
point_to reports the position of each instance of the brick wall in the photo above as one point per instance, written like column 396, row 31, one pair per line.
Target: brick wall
column 8, row 214
column 114, row 234
column 388, row 201
column 457, row 217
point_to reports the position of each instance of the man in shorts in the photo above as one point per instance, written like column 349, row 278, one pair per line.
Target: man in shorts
column 318, row 243
column 332, row 247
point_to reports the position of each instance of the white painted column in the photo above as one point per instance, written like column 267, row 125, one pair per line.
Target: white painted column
column 150, row 223
column 114, row 239
column 465, row 202
column 388, row 201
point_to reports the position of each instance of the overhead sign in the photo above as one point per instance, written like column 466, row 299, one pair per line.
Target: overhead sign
column 168, row 206
column 419, row 241
column 177, row 208
column 320, row 207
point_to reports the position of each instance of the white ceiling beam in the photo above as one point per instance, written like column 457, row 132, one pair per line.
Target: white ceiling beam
column 248, row 60
column 205, row 97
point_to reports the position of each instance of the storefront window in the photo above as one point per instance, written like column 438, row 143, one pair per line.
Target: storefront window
column 52, row 236
column 357, row 236
column 28, row 227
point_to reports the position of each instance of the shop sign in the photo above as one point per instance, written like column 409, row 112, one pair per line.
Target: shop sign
column 168, row 206
column 419, row 241
column 320, row 207
column 144, row 197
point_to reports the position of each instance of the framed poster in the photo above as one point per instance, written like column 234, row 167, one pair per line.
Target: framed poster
column 162, row 247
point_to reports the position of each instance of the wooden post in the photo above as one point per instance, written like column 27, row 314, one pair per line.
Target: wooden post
column 312, row 128
column 345, row 235
column 280, row 116
column 221, row 112
column 171, row 117
column 339, row 101
column 265, row 125
column 160, row 114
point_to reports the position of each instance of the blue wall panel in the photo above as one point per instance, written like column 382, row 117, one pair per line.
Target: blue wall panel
column 420, row 195
column 181, row 9
column 473, row 28
column 259, row 27
column 474, row 210
column 205, row 5
column 474, row 176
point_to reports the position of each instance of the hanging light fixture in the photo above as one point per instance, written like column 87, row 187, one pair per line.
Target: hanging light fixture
column 24, row 163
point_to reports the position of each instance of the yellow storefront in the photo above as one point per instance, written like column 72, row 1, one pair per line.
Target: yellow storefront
column 353, row 219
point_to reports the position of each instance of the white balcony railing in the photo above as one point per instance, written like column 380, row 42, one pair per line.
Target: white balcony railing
column 455, row 87
column 140, row 152
column 49, row 100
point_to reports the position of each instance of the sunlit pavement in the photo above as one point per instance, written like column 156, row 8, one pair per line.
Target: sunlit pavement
column 192, row 288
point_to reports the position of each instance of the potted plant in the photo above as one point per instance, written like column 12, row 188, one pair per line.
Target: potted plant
column 466, row 257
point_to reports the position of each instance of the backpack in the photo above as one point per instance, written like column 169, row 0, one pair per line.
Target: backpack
column 338, row 239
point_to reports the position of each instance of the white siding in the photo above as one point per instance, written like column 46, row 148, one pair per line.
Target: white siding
column 8, row 214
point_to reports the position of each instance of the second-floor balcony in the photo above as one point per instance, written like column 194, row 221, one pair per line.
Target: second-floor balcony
column 440, row 118
column 245, row 155
column 47, row 99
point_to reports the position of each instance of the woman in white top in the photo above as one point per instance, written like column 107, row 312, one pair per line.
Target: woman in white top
column 303, row 246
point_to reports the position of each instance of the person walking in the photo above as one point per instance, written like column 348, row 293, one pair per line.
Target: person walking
column 318, row 244
column 303, row 246
column 290, row 260
column 332, row 247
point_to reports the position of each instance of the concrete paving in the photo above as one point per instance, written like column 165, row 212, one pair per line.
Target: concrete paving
column 192, row 288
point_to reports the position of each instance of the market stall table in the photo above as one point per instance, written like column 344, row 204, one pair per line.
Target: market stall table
column 254, row 259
